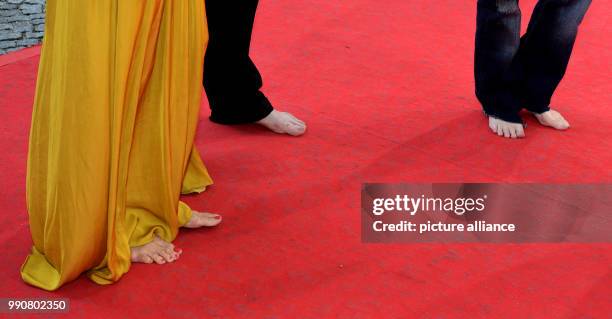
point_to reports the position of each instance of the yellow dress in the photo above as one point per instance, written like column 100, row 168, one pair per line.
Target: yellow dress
column 111, row 143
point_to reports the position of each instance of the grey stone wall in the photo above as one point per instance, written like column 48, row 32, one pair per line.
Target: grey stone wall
column 22, row 23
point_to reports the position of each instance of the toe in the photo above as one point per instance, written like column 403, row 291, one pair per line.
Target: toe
column 506, row 131
column 212, row 220
column 175, row 255
column 520, row 131
column 513, row 133
column 158, row 259
column 205, row 219
column 296, row 119
column 297, row 123
column 295, row 128
column 296, row 131
column 559, row 122
column 209, row 215
column 289, row 115
column 492, row 125
column 168, row 255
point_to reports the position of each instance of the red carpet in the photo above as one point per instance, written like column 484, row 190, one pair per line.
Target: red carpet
column 387, row 91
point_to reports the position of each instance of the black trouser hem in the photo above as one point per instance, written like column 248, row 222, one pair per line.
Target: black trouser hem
column 232, row 116
column 508, row 117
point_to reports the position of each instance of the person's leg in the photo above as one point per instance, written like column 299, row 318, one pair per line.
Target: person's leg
column 544, row 54
column 497, row 41
column 163, row 162
column 67, row 170
column 231, row 79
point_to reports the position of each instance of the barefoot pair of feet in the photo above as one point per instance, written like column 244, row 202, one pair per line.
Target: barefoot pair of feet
column 550, row 118
column 161, row 252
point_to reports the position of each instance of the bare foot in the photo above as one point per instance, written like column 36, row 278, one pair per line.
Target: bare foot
column 283, row 123
column 157, row 251
column 552, row 119
column 203, row 220
column 506, row 129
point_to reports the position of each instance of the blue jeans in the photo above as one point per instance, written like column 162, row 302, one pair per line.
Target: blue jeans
column 514, row 72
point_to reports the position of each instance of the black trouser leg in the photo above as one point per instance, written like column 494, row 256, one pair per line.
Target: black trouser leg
column 513, row 72
column 498, row 27
column 546, row 48
column 231, row 79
